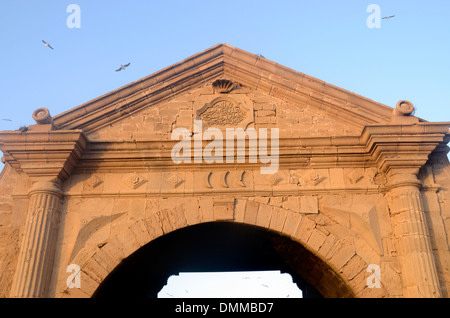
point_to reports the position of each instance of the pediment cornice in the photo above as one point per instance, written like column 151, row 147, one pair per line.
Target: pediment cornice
column 250, row 71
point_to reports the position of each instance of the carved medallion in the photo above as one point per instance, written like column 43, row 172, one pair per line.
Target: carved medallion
column 221, row 112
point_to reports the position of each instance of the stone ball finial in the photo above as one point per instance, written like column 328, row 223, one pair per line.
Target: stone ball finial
column 404, row 108
column 42, row 116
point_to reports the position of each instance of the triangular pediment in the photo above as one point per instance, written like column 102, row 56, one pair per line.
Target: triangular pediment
column 264, row 93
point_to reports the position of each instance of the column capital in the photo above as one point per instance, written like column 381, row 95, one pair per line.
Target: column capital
column 403, row 178
column 399, row 148
column 45, row 156
column 47, row 187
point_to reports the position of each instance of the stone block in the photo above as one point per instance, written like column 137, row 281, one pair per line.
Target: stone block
column 88, row 284
column 140, row 231
column 5, row 219
column 278, row 219
column 342, row 255
column 265, row 113
column 153, row 224
column 291, row 203
column 206, row 209
column 224, row 210
column 276, row 201
column 263, row 120
column 251, row 212
column 192, row 211
column 172, row 218
column 328, row 246
column 353, row 267
column 264, row 215
column 239, row 210
column 305, row 229
column 291, row 224
column 95, row 270
column 137, row 209
column 309, row 204
column 315, row 240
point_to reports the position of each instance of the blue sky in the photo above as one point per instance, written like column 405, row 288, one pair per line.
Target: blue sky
column 407, row 58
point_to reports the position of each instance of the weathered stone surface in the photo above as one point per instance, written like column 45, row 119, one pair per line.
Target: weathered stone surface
column 357, row 182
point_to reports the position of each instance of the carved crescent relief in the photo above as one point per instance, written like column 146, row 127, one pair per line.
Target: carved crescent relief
column 221, row 179
column 241, row 180
column 207, row 181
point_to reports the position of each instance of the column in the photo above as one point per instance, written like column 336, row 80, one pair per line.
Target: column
column 47, row 156
column 37, row 251
column 419, row 272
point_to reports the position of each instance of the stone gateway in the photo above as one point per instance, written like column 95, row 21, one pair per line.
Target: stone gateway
column 93, row 205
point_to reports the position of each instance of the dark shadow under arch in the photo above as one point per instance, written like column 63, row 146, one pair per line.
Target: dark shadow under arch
column 218, row 246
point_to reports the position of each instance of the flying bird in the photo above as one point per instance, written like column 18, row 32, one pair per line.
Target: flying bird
column 387, row 18
column 6, row 119
column 46, row 44
column 122, row 67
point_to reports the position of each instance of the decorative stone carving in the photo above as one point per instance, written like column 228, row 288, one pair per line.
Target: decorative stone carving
column 404, row 108
column 93, row 182
column 241, row 180
column 314, row 178
column 223, row 179
column 379, row 179
column 207, row 180
column 42, row 116
column 175, row 180
column 221, row 112
column 275, row 179
column 294, row 178
column 223, row 85
column 355, row 176
column 134, row 180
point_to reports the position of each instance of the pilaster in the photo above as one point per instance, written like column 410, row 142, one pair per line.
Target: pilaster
column 419, row 272
column 400, row 149
column 38, row 246
column 47, row 156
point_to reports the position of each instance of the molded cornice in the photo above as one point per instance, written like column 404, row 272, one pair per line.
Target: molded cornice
column 51, row 154
column 251, row 71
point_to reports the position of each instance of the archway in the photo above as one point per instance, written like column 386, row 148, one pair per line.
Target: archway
column 219, row 246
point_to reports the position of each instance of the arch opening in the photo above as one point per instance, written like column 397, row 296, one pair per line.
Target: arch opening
column 253, row 284
column 219, row 247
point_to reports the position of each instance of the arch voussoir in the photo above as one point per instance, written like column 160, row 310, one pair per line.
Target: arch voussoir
column 338, row 256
